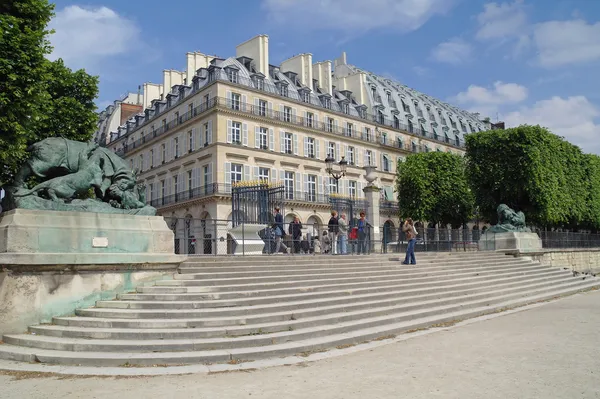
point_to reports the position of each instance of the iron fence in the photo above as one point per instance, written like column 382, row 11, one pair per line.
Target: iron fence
column 567, row 239
column 437, row 240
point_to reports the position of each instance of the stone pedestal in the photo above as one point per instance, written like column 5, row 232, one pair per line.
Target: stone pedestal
column 372, row 195
column 510, row 242
column 247, row 240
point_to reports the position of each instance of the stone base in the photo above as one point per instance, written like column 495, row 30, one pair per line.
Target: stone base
column 511, row 242
column 54, row 232
column 247, row 240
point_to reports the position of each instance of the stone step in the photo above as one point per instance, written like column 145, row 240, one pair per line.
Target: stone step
column 418, row 320
column 82, row 327
column 207, row 301
column 259, row 271
column 405, row 270
column 245, row 291
column 266, row 313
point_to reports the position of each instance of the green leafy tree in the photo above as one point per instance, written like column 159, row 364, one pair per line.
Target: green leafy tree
column 529, row 169
column 38, row 98
column 592, row 177
column 433, row 187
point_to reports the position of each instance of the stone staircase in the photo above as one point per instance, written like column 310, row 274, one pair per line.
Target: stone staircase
column 226, row 309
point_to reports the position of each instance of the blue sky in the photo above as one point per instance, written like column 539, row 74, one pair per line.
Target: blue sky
column 523, row 61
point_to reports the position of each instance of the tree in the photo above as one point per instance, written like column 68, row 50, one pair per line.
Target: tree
column 433, row 187
column 529, row 169
column 38, row 98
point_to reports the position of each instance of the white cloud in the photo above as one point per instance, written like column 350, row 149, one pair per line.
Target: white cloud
column 86, row 36
column 500, row 93
column 455, row 51
column 561, row 43
column 421, row 71
column 574, row 118
column 502, row 21
column 355, row 15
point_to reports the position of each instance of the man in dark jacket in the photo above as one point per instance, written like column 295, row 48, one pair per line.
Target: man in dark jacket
column 279, row 233
column 333, row 227
column 295, row 231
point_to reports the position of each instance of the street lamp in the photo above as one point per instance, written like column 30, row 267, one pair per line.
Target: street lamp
column 330, row 161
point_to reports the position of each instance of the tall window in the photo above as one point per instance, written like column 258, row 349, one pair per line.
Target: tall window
column 175, row 185
column 263, row 138
column 191, row 141
column 311, row 189
column 349, row 129
column 288, row 184
column 151, row 158
column 284, row 90
column 162, row 189
column 190, row 182
column 350, row 156
column 232, row 75
column 176, row 142
column 260, row 83
column 367, row 134
column 263, row 174
column 236, row 101
column 346, row 108
column 333, row 185
column 190, row 110
column 288, row 139
column 206, row 100
column 386, row 163
column 330, row 124
column 352, row 189
column 287, row 114
column 262, row 108
column 141, row 161
column 310, row 119
column 206, row 134
column 306, row 97
column 236, row 172
column 163, row 149
column 411, row 127
column 310, row 147
column 331, row 150
column 236, row 132
column 369, row 157
column 207, row 179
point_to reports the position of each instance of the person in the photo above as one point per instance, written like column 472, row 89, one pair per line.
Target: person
column 342, row 235
column 333, row 228
column 279, row 233
column 352, row 239
column 326, row 247
column 316, row 245
column 295, row 230
column 305, row 245
column 362, row 234
column 411, row 235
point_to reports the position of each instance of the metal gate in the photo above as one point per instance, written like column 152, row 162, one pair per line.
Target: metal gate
column 254, row 203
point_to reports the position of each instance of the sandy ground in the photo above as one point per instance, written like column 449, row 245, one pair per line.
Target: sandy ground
column 552, row 351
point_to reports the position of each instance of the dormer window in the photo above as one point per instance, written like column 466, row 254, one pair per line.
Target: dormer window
column 232, row 75
column 259, row 82
column 346, row 108
column 283, row 90
column 389, row 97
column 326, row 102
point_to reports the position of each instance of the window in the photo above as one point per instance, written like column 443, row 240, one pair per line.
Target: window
column 310, row 119
column 349, row 129
column 236, row 133
column 399, row 142
column 396, row 122
column 380, row 117
column 405, row 106
column 288, row 185
column 444, row 122
column 151, row 158
column 463, row 127
column 332, row 185
column 190, row 110
column 235, row 101
column 206, row 100
column 175, row 185
column 163, row 148
column 414, row 147
column 207, row 134
column 176, row 117
column 287, row 114
column 306, row 96
column 350, row 155
column 330, row 124
column 236, row 172
column 410, row 127
column 311, row 188
column 288, row 140
column 384, row 139
column 152, row 194
column 346, row 108
column 190, row 182
column 162, row 189
column 453, row 123
column 310, row 147
column 260, row 83
column 176, row 145
column 164, row 125
column 232, row 75
column 283, row 90
column 263, row 138
column 389, row 97
column 352, row 189
column 431, row 116
column 207, row 179
column 263, row 174
column 262, row 108
column 367, row 135
column 386, row 163
column 369, row 157
column 327, row 102
column 331, row 150
column 419, row 112
column 374, row 91
column 191, row 141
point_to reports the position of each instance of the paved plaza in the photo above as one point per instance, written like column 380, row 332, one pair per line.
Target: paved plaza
column 549, row 351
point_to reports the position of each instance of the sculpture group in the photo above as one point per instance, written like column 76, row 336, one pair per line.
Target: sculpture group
column 76, row 176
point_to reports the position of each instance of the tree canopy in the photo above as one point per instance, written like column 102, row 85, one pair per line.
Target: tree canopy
column 432, row 187
column 38, row 98
column 534, row 171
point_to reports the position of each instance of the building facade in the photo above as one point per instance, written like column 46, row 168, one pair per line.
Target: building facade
column 224, row 121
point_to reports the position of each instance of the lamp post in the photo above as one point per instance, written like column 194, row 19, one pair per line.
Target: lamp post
column 330, row 161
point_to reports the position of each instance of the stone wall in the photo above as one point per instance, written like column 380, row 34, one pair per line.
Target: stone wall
column 581, row 260
column 33, row 298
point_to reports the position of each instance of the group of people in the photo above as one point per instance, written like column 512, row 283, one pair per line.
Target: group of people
column 335, row 240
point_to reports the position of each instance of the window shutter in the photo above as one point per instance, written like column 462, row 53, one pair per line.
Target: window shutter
column 282, row 175
column 168, row 182
column 335, row 126
column 229, row 103
column 255, row 106
column 271, row 139
column 245, row 134
column 374, row 158
column 156, row 159
column 256, row 137
column 320, row 188
column 361, row 193
column 366, row 160
column 244, row 100
column 194, row 142
column 196, row 177
column 199, row 140
column 295, row 144
column 209, row 178
column 318, row 148
column 306, row 146
column 298, row 178
column 181, row 181
column 247, row 173
column 342, row 186
column 210, row 133
column 359, row 156
column 382, row 160
column 317, row 121
column 273, row 176
column 306, row 197
column 282, row 140
column 281, row 111
column 344, row 152
column 338, row 154
column 305, row 118
column 255, row 176
column 228, row 176
column 294, row 111
column 229, row 130
column 182, row 144
column 270, row 109
column 326, row 186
